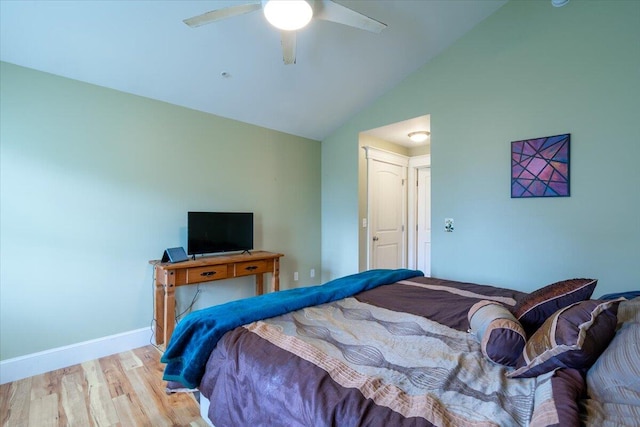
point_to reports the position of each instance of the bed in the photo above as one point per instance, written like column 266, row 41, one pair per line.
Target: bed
column 395, row 348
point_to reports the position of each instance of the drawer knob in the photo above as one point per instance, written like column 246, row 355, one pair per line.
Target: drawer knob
column 251, row 267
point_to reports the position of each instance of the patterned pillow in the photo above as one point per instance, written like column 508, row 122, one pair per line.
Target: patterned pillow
column 556, row 399
column 500, row 335
column 615, row 377
column 573, row 337
column 534, row 308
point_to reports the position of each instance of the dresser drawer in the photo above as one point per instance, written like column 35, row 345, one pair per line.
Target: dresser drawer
column 253, row 267
column 206, row 274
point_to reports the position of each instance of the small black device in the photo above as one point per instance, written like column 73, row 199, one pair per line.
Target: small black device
column 174, row 255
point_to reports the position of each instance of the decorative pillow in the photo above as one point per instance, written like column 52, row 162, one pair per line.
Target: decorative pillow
column 615, row 377
column 500, row 335
column 533, row 309
column 573, row 337
column 556, row 399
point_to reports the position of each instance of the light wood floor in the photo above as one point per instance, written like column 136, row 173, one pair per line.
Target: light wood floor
column 124, row 389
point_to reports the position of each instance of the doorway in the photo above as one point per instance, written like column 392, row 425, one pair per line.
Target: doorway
column 410, row 246
column 420, row 214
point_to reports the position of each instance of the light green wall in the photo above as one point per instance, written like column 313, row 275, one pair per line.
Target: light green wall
column 422, row 150
column 95, row 182
column 529, row 70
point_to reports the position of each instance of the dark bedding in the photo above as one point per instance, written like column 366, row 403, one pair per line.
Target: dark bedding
column 197, row 334
column 396, row 355
column 444, row 301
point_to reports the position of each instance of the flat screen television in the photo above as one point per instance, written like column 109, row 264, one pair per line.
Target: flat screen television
column 214, row 232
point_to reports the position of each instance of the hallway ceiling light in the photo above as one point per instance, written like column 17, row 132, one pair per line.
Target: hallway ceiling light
column 419, row 136
column 559, row 3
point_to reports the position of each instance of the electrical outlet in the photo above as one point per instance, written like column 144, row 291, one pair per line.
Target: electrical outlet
column 295, row 276
column 312, row 273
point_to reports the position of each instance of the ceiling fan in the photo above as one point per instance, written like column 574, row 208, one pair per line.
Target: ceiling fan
column 291, row 15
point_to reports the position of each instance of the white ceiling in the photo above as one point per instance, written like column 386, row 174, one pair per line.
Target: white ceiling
column 144, row 48
column 398, row 133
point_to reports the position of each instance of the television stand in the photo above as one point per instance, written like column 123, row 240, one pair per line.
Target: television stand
column 206, row 269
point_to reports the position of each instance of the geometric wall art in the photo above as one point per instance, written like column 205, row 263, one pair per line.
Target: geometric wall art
column 540, row 167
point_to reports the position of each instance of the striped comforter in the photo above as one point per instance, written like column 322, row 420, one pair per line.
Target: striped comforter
column 397, row 355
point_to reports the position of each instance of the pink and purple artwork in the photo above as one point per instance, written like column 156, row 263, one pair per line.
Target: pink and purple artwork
column 540, row 167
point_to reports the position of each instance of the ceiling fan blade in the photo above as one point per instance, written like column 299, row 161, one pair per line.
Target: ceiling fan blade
column 227, row 12
column 288, row 40
column 334, row 12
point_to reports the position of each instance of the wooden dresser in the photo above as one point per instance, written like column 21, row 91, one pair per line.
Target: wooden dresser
column 206, row 269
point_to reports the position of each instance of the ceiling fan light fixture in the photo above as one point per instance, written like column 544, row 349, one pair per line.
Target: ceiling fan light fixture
column 288, row 15
column 419, row 136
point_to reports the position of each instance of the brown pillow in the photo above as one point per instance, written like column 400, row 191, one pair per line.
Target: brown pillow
column 573, row 337
column 533, row 309
column 500, row 335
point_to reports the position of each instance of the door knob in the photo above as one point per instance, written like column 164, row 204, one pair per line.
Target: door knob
column 375, row 238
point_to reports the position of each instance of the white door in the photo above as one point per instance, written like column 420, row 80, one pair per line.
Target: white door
column 387, row 212
column 423, row 226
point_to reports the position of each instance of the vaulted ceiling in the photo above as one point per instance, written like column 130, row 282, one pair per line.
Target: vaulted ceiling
column 234, row 68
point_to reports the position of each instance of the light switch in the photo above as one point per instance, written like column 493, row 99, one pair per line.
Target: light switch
column 448, row 225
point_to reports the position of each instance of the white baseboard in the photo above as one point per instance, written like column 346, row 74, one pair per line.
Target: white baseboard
column 61, row 357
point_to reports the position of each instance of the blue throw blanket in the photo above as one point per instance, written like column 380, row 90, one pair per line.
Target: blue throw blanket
column 197, row 334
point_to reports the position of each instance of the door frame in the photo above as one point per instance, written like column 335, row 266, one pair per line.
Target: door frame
column 377, row 154
column 415, row 163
